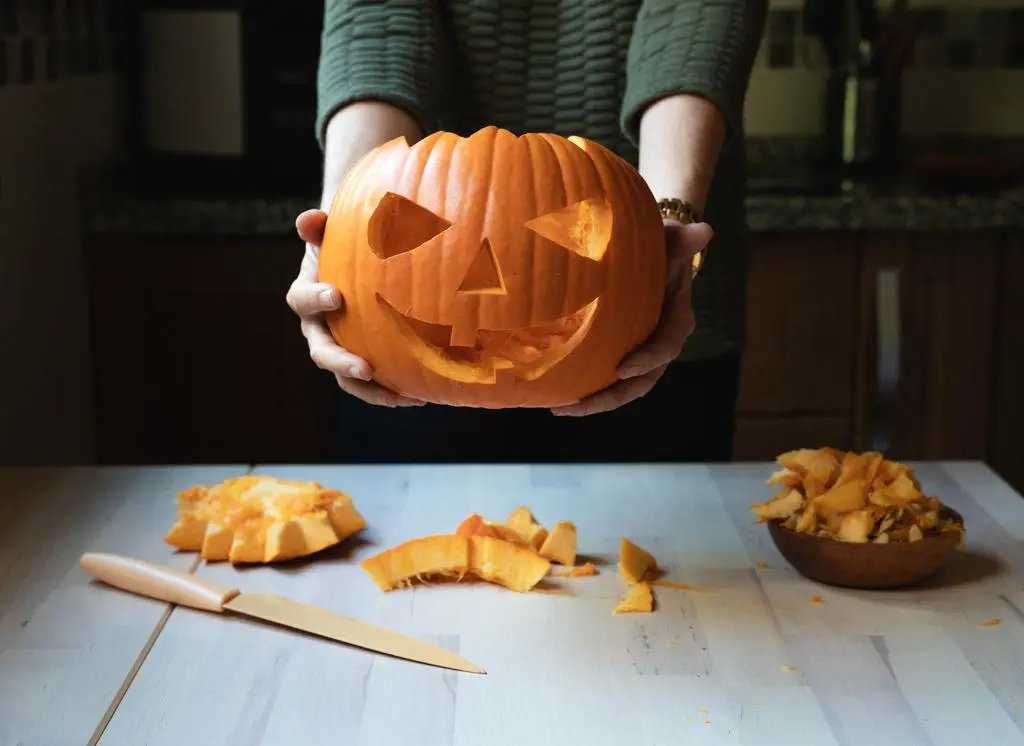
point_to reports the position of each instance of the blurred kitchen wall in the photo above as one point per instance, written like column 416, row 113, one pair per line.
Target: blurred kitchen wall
column 58, row 112
column 964, row 74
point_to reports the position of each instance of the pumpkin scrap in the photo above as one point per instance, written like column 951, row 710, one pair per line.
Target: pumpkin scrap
column 579, row 571
column 521, row 521
column 638, row 598
column 477, row 525
column 502, row 562
column 853, row 497
column 635, row 563
column 261, row 519
column 440, row 555
column 560, row 545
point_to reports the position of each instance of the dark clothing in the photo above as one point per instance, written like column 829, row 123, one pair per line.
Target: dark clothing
column 687, row 417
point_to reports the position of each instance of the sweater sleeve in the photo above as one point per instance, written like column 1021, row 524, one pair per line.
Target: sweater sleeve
column 382, row 50
column 703, row 47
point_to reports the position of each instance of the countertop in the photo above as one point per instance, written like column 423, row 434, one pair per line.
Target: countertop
column 750, row 659
column 786, row 191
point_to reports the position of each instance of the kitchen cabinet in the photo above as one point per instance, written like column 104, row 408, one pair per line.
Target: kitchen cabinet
column 198, row 357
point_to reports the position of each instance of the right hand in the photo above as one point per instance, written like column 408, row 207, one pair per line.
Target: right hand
column 310, row 300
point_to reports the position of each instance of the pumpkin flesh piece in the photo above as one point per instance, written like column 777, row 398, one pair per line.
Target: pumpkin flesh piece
column 502, row 562
column 521, row 521
column 560, row 544
column 634, row 562
column 257, row 519
column 638, row 598
column 477, row 525
column 441, row 555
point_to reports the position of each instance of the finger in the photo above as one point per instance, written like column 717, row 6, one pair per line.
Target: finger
column 373, row 393
column 666, row 342
column 328, row 355
column 613, row 397
column 308, row 298
column 310, row 226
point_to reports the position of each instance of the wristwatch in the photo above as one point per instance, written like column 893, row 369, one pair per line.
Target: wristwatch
column 683, row 212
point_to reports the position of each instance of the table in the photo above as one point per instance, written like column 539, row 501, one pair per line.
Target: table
column 755, row 659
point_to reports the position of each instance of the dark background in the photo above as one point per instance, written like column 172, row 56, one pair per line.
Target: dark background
column 153, row 157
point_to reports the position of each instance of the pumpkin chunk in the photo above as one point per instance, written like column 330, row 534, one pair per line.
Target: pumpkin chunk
column 634, row 562
column 441, row 555
column 260, row 519
column 476, row 525
column 579, row 571
column 638, row 598
column 521, row 521
column 505, row 563
column 560, row 545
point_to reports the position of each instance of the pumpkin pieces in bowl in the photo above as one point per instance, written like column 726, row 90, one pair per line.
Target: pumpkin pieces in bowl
column 853, row 497
column 262, row 519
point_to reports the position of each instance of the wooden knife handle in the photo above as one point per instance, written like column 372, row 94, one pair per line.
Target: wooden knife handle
column 156, row 581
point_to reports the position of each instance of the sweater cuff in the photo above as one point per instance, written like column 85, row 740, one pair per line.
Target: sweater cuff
column 705, row 48
column 387, row 51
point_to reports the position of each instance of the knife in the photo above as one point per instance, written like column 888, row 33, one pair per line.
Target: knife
column 176, row 587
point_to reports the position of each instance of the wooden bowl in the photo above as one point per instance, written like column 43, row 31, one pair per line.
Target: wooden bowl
column 865, row 566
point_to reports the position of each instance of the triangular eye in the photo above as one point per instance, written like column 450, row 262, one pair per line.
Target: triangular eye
column 399, row 225
column 583, row 227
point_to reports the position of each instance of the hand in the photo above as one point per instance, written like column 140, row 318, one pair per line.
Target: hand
column 642, row 368
column 310, row 300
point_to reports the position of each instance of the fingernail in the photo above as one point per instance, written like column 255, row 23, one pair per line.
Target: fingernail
column 329, row 298
column 358, row 371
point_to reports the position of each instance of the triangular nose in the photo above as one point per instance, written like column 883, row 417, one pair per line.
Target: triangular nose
column 483, row 276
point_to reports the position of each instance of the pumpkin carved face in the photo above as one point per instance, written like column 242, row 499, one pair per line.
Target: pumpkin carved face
column 494, row 270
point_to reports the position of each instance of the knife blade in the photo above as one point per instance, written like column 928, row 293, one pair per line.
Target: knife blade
column 176, row 587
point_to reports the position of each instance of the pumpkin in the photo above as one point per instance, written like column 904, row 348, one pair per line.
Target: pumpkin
column 476, row 525
column 521, row 521
column 502, row 562
column 635, row 562
column 494, row 270
column 638, row 598
column 438, row 556
column 560, row 545
column 254, row 519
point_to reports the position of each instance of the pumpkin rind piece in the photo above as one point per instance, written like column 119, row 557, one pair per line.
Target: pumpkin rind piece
column 521, row 521
column 638, row 598
column 502, row 562
column 440, row 555
column 476, row 525
column 560, row 544
column 257, row 519
column 634, row 562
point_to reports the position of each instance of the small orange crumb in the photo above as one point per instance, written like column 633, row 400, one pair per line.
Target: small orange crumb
column 680, row 586
column 789, row 668
column 994, row 621
column 817, row 600
column 762, row 565
column 580, row 571
column 706, row 722
column 704, row 711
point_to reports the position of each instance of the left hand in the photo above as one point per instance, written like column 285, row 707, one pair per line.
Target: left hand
column 642, row 368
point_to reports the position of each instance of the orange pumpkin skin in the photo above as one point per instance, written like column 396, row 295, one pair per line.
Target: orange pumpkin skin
column 494, row 271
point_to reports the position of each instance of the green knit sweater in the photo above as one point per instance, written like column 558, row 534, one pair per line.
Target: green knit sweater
column 573, row 67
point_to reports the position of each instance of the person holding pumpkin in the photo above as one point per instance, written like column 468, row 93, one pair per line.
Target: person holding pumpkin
column 661, row 83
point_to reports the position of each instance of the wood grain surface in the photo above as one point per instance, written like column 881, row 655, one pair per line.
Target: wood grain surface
column 760, row 656
column 67, row 646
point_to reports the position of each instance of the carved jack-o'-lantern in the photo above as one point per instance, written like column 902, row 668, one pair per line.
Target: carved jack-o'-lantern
column 494, row 270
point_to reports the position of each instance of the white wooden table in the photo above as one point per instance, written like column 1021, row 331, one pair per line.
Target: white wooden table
column 752, row 661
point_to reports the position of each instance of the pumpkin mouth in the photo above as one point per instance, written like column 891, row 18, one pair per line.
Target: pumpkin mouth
column 525, row 354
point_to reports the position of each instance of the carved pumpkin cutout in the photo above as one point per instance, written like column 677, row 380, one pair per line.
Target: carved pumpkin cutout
column 494, row 270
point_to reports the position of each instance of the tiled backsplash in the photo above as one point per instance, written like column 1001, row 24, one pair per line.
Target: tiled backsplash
column 47, row 40
column 947, row 38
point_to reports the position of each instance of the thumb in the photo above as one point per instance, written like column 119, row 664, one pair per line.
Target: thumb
column 310, row 226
